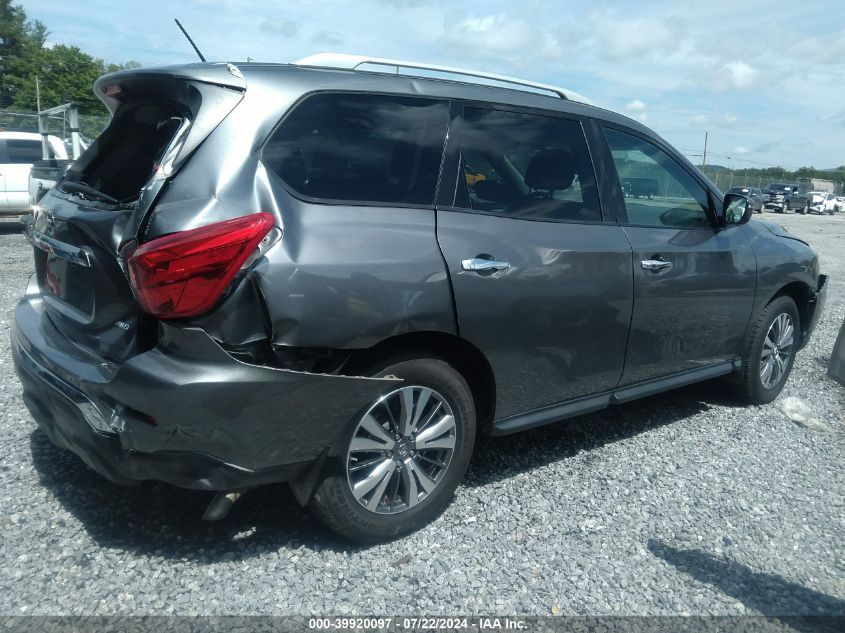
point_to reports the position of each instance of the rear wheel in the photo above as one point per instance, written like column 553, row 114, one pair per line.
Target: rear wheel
column 403, row 458
column 769, row 352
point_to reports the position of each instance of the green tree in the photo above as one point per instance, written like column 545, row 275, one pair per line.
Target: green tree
column 21, row 41
column 65, row 73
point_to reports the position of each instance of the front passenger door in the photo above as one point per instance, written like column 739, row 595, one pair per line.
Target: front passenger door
column 694, row 283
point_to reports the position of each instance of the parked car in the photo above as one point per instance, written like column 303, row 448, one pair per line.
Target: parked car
column 18, row 151
column 263, row 273
column 783, row 197
column 639, row 187
column 822, row 202
column 754, row 195
column 840, row 203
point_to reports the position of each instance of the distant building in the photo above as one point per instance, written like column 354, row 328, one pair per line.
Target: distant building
column 817, row 184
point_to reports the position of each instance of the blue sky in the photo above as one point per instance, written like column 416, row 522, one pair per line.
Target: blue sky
column 765, row 79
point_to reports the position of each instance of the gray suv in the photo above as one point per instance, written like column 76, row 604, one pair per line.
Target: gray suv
column 340, row 278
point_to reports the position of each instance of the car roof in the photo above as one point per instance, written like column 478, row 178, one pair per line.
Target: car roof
column 285, row 77
column 20, row 136
column 433, row 87
column 277, row 86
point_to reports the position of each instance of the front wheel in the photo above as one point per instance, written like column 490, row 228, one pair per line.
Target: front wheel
column 403, row 457
column 786, row 206
column 769, row 352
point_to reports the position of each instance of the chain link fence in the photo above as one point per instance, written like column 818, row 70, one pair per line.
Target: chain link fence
column 727, row 179
column 90, row 125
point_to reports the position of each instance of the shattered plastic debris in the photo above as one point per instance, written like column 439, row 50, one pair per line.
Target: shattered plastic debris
column 799, row 411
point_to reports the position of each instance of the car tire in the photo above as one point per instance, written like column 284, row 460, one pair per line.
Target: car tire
column 752, row 386
column 785, row 206
column 806, row 208
column 334, row 501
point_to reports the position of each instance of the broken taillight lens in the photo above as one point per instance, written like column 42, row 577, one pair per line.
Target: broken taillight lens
column 185, row 273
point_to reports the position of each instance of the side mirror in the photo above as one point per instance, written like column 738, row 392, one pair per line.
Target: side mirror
column 736, row 209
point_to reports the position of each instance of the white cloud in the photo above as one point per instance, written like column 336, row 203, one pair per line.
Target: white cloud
column 715, row 120
column 824, row 49
column 780, row 72
column 327, row 38
column 737, row 75
column 500, row 34
column 287, row 28
column 835, row 118
column 622, row 37
column 635, row 106
column 741, row 151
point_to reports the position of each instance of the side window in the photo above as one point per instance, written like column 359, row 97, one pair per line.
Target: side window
column 657, row 190
column 23, row 151
column 526, row 166
column 361, row 148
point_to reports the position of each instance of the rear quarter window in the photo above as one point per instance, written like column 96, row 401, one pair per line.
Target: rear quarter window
column 23, row 151
column 361, row 148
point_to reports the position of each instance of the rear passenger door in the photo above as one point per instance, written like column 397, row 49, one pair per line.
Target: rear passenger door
column 359, row 262
column 694, row 283
column 542, row 284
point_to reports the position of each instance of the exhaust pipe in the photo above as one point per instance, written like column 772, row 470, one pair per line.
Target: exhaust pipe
column 219, row 507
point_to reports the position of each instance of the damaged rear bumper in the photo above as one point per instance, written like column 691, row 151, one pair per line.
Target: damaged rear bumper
column 185, row 412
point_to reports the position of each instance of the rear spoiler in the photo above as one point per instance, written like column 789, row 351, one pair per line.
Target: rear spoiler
column 113, row 87
column 208, row 93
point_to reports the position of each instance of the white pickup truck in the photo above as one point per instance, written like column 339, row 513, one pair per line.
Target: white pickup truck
column 18, row 151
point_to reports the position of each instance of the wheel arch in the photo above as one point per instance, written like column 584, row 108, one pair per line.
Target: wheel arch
column 465, row 357
column 802, row 294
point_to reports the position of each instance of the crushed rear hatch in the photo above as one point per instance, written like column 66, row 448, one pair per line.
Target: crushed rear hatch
column 82, row 228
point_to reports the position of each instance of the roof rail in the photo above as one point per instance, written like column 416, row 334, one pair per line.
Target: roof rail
column 354, row 62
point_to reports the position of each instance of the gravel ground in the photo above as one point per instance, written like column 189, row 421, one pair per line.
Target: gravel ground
column 682, row 503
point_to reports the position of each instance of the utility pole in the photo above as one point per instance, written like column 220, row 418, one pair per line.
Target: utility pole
column 42, row 127
column 704, row 157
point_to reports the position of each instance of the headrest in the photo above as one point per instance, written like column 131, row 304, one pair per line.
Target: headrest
column 551, row 169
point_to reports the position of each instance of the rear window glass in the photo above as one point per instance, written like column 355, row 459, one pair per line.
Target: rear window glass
column 361, row 148
column 21, row 151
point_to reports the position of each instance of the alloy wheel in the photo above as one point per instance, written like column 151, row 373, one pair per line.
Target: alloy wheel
column 401, row 449
column 777, row 349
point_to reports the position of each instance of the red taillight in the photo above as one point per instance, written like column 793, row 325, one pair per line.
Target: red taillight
column 184, row 274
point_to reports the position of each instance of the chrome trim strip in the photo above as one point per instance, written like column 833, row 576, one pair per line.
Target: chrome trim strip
column 67, row 252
